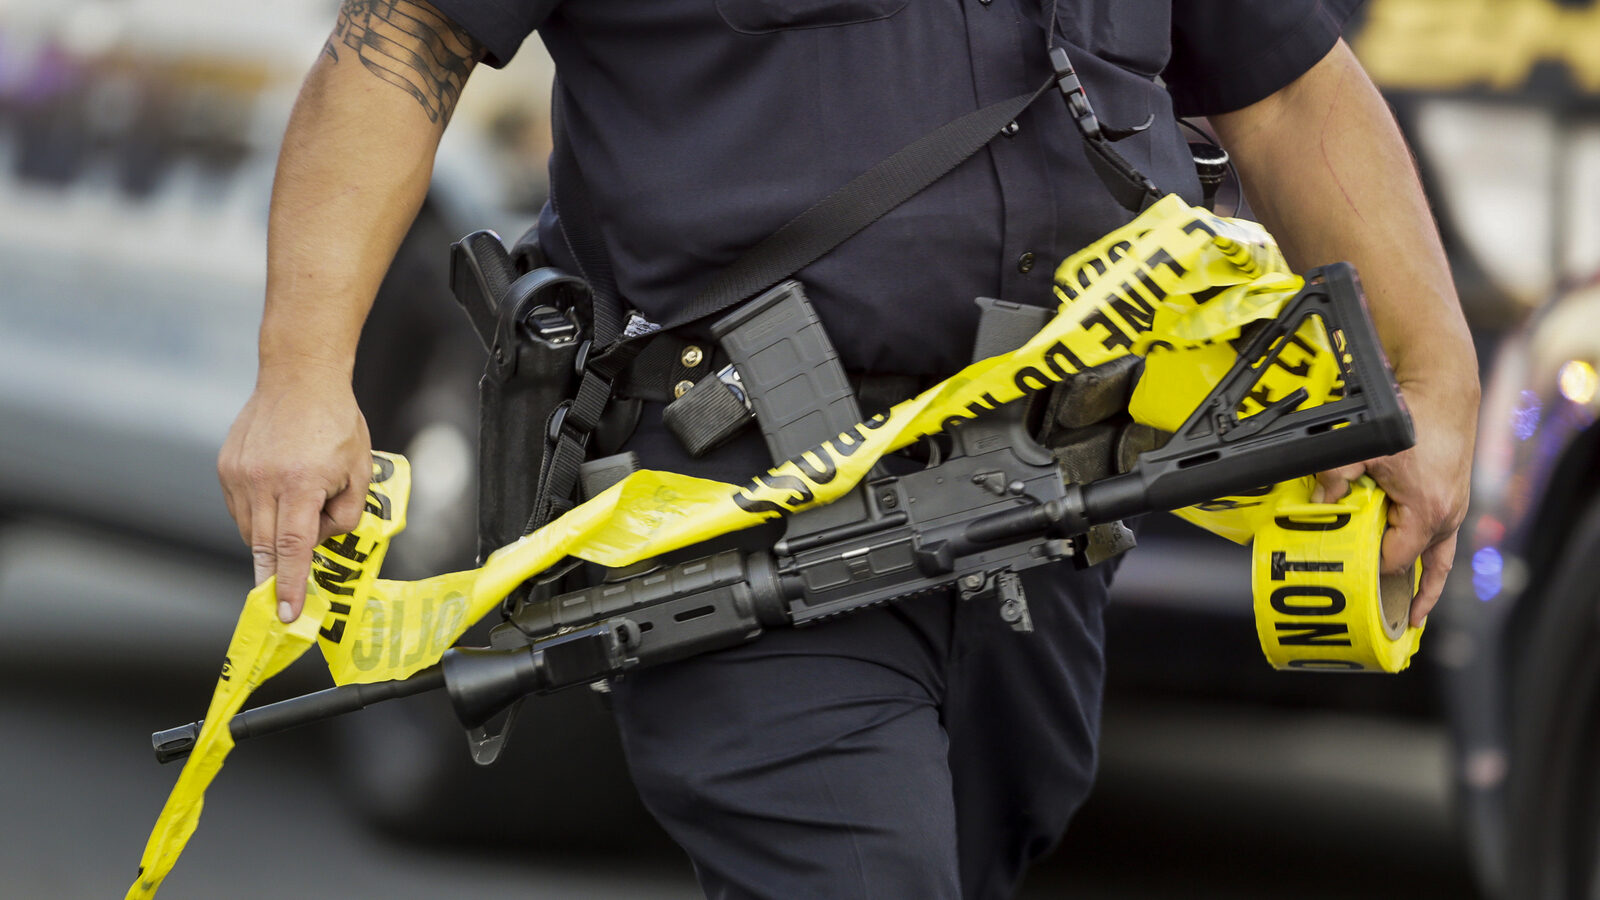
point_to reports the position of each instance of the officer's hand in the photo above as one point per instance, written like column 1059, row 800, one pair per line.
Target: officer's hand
column 1427, row 486
column 294, row 470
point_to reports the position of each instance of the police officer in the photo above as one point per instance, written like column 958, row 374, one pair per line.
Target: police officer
column 923, row 750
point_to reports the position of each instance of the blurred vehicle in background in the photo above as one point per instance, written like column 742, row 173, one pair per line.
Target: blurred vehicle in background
column 1520, row 643
column 137, row 143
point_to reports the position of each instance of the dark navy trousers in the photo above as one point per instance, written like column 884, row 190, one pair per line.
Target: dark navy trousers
column 922, row 750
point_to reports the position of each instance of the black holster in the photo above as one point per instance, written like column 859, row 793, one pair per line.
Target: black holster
column 533, row 325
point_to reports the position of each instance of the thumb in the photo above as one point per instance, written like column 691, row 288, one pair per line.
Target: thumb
column 1333, row 484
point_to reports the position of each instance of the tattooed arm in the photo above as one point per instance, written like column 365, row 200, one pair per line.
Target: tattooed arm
column 408, row 45
column 351, row 176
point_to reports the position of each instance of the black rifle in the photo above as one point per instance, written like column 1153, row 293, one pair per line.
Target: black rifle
column 995, row 506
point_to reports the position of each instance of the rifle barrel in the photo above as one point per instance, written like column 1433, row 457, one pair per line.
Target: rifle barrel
column 176, row 743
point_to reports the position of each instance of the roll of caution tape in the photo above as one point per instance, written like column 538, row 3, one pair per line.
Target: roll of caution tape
column 1320, row 602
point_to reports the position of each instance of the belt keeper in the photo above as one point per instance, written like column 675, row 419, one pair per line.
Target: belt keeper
column 706, row 416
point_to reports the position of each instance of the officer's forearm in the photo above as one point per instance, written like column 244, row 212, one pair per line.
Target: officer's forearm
column 352, row 174
column 1327, row 171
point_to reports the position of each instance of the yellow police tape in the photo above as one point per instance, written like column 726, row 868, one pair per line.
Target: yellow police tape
column 1176, row 285
column 261, row 647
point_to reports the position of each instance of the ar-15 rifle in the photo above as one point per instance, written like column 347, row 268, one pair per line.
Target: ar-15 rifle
column 997, row 505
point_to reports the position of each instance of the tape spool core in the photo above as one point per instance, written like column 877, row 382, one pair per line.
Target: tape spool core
column 1394, row 595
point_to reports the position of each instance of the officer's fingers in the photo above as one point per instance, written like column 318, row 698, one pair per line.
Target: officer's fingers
column 299, row 513
column 238, row 510
column 1404, row 540
column 1436, row 563
column 233, row 478
column 236, row 491
column 263, row 527
column 241, row 518
column 1333, row 484
column 342, row 513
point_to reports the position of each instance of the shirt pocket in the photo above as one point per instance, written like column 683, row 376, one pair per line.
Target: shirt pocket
column 1133, row 34
column 764, row 16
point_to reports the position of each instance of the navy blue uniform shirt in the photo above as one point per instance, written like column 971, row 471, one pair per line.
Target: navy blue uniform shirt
column 702, row 126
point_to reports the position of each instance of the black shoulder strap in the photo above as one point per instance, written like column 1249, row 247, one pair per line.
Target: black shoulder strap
column 806, row 238
column 865, row 199
column 580, row 227
column 803, row 240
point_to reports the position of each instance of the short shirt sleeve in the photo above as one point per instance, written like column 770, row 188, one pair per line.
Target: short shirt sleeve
column 1227, row 54
column 499, row 25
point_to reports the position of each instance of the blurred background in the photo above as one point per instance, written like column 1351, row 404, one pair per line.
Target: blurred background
column 137, row 140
